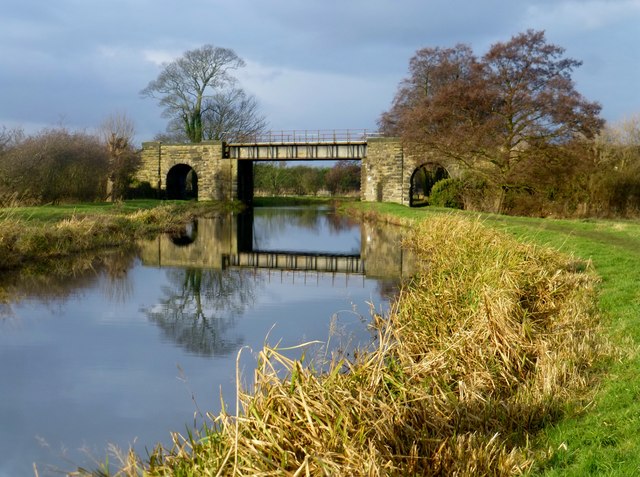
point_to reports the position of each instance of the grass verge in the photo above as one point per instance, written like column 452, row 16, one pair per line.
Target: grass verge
column 493, row 342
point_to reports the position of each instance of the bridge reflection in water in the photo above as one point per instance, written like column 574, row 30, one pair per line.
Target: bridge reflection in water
column 227, row 242
column 293, row 261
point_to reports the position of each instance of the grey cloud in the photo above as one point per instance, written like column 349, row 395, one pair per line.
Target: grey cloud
column 83, row 60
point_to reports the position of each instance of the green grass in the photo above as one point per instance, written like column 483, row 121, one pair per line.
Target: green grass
column 54, row 213
column 605, row 438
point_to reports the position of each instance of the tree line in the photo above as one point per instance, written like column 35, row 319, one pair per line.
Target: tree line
column 522, row 138
column 59, row 165
column 275, row 178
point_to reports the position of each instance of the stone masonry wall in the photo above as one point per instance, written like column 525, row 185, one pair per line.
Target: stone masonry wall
column 221, row 238
column 383, row 178
column 217, row 177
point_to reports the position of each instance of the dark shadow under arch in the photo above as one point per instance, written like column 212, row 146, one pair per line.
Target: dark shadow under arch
column 182, row 183
column 423, row 179
column 186, row 236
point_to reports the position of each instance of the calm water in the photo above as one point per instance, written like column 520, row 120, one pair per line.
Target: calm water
column 124, row 348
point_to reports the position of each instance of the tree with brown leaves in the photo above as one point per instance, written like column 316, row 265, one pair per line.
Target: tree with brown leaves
column 509, row 116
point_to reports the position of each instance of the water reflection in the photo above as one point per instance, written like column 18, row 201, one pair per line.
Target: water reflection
column 213, row 267
column 66, row 278
column 186, row 236
column 316, row 230
column 290, row 232
column 200, row 307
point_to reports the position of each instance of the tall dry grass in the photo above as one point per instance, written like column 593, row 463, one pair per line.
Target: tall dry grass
column 24, row 241
column 493, row 340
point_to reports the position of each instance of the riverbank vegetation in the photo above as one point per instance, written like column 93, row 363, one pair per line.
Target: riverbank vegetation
column 37, row 235
column 513, row 132
column 57, row 165
column 494, row 342
column 602, row 438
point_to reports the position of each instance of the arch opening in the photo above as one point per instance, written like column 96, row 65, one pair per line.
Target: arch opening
column 423, row 178
column 182, row 183
column 186, row 236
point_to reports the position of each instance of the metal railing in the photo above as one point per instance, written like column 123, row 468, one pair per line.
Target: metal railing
column 306, row 136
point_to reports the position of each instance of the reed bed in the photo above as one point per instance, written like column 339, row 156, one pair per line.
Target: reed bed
column 492, row 341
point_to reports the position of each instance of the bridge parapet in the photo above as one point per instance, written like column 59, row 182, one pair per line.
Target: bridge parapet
column 336, row 144
column 302, row 136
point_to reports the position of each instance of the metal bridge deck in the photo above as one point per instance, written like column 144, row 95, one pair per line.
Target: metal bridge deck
column 345, row 144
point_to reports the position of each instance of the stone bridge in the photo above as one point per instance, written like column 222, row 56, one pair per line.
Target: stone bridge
column 224, row 170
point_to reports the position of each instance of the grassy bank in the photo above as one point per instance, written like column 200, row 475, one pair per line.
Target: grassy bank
column 604, row 439
column 36, row 235
column 492, row 344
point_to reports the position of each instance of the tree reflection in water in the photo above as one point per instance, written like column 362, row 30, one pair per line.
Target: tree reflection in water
column 52, row 283
column 200, row 308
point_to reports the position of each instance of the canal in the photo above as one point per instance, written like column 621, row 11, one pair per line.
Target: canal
column 124, row 348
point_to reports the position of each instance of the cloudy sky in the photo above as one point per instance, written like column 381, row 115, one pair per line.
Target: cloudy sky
column 312, row 64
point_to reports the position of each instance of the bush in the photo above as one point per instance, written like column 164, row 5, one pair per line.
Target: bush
column 616, row 193
column 55, row 165
column 141, row 190
column 447, row 193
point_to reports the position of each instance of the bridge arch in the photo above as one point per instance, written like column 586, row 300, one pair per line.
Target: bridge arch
column 423, row 178
column 182, row 182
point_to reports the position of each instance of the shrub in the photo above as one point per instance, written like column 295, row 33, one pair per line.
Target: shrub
column 447, row 193
column 55, row 165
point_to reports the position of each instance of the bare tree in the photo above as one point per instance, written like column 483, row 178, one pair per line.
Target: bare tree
column 229, row 115
column 117, row 132
column 232, row 115
column 182, row 85
column 10, row 138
